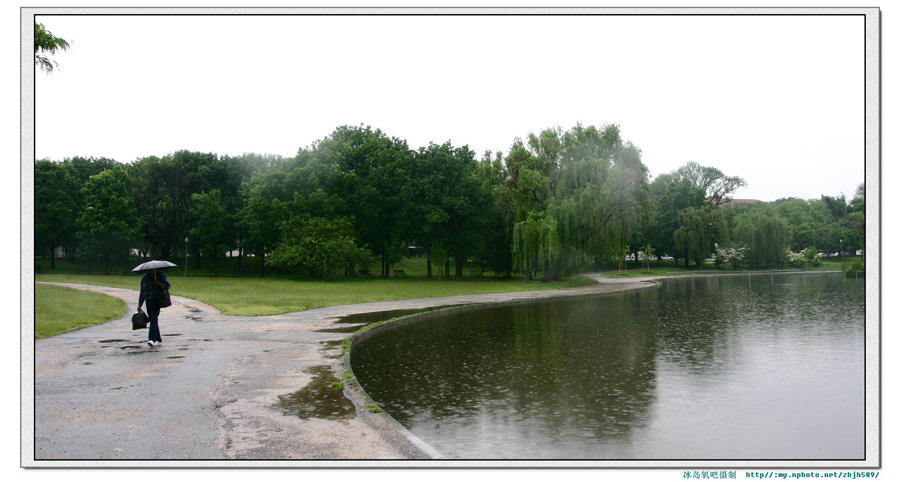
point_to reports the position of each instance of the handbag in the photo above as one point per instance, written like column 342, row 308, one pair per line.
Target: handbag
column 139, row 320
column 163, row 299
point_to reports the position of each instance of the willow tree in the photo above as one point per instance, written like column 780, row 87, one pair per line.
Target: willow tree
column 576, row 196
column 766, row 236
column 45, row 43
column 695, row 237
column 536, row 244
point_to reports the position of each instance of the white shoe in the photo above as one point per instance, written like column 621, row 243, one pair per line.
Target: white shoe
column 154, row 343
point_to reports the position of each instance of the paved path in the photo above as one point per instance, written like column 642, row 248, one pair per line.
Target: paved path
column 220, row 387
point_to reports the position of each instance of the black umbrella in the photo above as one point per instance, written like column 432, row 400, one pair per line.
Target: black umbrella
column 150, row 265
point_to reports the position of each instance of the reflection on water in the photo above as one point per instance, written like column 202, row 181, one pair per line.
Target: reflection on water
column 697, row 369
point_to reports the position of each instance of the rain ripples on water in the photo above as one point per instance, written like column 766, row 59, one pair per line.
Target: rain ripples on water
column 772, row 369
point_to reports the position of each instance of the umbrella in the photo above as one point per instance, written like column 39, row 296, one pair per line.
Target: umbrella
column 149, row 265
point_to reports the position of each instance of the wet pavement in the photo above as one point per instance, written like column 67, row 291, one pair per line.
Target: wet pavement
column 221, row 387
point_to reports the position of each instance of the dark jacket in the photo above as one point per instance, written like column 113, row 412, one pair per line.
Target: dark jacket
column 149, row 289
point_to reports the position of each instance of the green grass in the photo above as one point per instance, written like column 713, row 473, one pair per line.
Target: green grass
column 61, row 310
column 270, row 296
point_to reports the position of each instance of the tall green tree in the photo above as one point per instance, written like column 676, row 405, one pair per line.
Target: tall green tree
column 80, row 169
column 372, row 173
column 585, row 185
column 208, row 214
column 109, row 222
column 56, row 207
column 717, row 186
column 766, row 235
column 260, row 219
column 697, row 231
column 448, row 199
column 670, row 196
column 45, row 43
column 163, row 200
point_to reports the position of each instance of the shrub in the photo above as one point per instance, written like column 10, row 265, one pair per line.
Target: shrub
column 319, row 245
column 850, row 270
column 812, row 256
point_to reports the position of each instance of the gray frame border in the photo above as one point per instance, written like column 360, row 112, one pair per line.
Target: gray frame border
column 873, row 233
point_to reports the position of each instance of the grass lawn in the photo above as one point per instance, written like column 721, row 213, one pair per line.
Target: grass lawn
column 270, row 296
column 60, row 310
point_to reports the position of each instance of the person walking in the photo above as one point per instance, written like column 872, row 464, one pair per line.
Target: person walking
column 153, row 282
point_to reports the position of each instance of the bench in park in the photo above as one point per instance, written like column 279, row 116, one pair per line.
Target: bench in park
column 399, row 272
column 83, row 269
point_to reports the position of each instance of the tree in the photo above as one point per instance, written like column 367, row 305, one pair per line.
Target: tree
column 717, row 186
column 448, row 198
column 697, row 231
column 163, row 200
column 586, row 184
column 368, row 173
column 44, row 43
column 319, row 245
column 109, row 222
column 856, row 220
column 56, row 207
column 80, row 169
column 766, row 236
column 259, row 219
column 670, row 196
column 648, row 254
column 209, row 220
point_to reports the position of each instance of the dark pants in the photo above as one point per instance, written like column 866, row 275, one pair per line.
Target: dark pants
column 153, row 313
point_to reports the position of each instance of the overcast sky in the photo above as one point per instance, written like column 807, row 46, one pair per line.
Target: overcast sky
column 776, row 100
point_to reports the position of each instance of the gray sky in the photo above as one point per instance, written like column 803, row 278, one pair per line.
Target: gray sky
column 777, row 100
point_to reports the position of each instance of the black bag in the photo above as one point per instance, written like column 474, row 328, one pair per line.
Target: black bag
column 163, row 299
column 139, row 320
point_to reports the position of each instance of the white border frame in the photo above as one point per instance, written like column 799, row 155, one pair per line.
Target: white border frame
column 873, row 239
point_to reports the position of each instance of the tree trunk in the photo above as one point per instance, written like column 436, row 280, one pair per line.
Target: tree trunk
column 262, row 265
column 428, row 266
column 106, row 263
column 216, row 263
column 240, row 254
column 447, row 268
column 460, row 261
column 52, row 258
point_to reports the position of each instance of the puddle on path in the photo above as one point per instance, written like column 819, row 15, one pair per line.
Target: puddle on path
column 114, row 341
column 318, row 399
column 333, row 346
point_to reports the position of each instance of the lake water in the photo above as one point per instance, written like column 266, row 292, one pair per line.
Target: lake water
column 768, row 367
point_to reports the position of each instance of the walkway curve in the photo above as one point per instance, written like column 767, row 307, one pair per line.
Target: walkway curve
column 211, row 392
